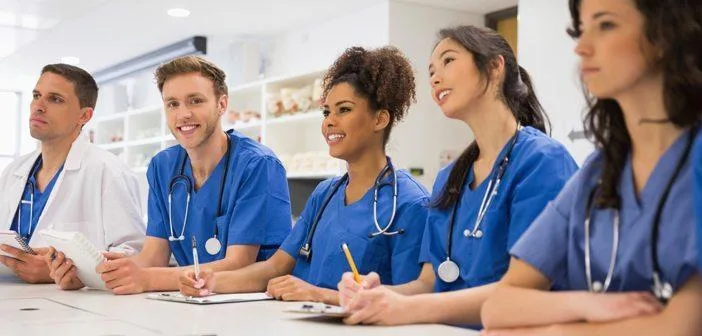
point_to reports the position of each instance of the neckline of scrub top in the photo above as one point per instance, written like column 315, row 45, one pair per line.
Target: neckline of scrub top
column 40, row 199
column 500, row 156
column 367, row 194
column 216, row 175
column 653, row 185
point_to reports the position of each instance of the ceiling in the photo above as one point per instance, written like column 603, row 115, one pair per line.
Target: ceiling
column 105, row 32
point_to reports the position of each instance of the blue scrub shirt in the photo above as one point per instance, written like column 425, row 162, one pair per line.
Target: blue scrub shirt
column 539, row 167
column 555, row 243
column 394, row 258
column 255, row 202
column 697, row 166
column 40, row 198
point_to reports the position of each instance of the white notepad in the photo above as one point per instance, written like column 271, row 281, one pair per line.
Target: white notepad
column 13, row 239
column 217, row 298
column 316, row 308
column 83, row 253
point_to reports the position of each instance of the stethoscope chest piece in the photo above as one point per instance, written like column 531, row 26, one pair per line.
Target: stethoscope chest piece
column 448, row 271
column 478, row 233
column 213, row 246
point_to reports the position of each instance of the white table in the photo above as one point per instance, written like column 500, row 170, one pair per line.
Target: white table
column 47, row 310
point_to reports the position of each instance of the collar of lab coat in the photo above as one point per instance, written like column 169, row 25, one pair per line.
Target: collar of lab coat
column 73, row 160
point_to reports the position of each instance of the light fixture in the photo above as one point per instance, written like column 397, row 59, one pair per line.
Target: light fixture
column 72, row 60
column 196, row 45
column 178, row 12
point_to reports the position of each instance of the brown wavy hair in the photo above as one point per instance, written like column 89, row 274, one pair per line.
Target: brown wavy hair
column 675, row 28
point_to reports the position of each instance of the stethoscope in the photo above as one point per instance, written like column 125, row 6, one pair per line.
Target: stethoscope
column 212, row 245
column 448, row 270
column 32, row 188
column 663, row 290
column 306, row 249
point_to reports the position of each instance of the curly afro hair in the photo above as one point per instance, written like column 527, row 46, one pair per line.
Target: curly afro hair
column 383, row 76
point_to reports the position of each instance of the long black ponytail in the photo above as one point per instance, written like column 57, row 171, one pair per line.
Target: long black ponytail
column 517, row 93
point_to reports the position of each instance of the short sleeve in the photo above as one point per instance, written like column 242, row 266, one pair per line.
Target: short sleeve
column 262, row 207
column 544, row 244
column 156, row 208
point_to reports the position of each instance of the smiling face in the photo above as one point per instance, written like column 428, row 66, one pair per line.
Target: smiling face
column 615, row 55
column 350, row 127
column 193, row 111
column 456, row 82
column 55, row 109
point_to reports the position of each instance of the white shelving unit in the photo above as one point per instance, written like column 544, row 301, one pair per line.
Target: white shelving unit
column 136, row 135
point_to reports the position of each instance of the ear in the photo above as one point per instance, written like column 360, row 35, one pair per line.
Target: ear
column 86, row 115
column 382, row 120
column 497, row 67
column 222, row 104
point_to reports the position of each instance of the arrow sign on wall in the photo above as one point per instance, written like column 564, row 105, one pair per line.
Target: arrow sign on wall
column 576, row 135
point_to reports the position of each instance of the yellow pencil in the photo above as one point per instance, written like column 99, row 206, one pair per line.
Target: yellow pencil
column 349, row 258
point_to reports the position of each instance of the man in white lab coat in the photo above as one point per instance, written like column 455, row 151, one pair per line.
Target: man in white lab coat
column 68, row 184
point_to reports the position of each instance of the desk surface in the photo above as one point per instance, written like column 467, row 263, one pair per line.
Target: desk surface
column 47, row 310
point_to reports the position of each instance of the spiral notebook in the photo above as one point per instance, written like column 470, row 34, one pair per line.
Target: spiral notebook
column 83, row 253
column 13, row 239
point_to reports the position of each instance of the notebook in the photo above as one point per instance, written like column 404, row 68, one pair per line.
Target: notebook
column 83, row 253
column 13, row 239
column 212, row 299
column 318, row 309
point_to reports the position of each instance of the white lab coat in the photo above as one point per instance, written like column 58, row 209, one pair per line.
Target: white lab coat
column 95, row 194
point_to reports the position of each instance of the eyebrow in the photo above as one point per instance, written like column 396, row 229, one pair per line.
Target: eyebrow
column 50, row 93
column 601, row 14
column 339, row 103
column 431, row 66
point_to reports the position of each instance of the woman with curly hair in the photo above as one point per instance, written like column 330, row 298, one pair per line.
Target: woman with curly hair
column 379, row 212
column 619, row 242
column 483, row 202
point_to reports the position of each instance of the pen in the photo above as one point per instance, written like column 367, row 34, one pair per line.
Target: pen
column 195, row 259
column 349, row 258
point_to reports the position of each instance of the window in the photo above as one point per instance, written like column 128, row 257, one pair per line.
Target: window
column 10, row 137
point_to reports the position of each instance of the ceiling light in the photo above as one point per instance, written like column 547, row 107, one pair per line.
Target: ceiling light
column 72, row 60
column 179, row 12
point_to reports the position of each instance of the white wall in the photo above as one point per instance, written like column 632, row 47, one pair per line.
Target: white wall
column 316, row 44
column 420, row 138
column 546, row 51
column 24, row 85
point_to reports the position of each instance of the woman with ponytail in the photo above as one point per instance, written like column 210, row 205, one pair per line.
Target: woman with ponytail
column 485, row 200
column 377, row 211
column 619, row 240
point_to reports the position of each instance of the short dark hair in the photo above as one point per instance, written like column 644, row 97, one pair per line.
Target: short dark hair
column 83, row 83
column 192, row 64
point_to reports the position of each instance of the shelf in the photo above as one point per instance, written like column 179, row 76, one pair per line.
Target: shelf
column 313, row 175
column 147, row 141
column 249, row 88
column 300, row 116
column 242, row 126
column 144, row 110
column 112, row 145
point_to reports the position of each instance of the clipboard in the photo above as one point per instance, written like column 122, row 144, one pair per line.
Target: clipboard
column 212, row 299
column 318, row 309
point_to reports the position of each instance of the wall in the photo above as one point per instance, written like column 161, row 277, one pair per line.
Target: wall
column 546, row 51
column 419, row 140
column 315, row 45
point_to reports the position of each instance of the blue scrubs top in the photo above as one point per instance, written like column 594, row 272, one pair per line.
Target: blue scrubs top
column 255, row 202
column 26, row 228
column 539, row 167
column 555, row 243
column 697, row 166
column 394, row 258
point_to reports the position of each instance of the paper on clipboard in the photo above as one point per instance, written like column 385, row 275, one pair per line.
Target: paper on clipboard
column 318, row 309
